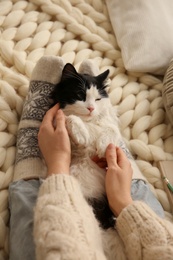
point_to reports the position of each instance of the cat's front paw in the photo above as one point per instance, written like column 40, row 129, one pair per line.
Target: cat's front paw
column 77, row 130
column 104, row 140
column 101, row 148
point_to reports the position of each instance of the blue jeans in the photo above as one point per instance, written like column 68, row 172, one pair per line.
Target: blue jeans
column 22, row 199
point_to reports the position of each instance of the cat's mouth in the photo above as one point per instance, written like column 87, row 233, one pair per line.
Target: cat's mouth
column 88, row 117
column 90, row 114
column 85, row 116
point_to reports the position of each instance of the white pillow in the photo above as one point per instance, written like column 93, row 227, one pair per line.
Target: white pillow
column 144, row 32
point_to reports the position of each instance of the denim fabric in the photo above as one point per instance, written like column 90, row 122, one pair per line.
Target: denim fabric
column 140, row 190
column 22, row 199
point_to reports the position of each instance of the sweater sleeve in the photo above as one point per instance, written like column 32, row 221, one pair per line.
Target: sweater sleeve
column 145, row 235
column 61, row 221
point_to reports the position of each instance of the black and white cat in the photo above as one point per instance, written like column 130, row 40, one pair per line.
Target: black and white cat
column 92, row 124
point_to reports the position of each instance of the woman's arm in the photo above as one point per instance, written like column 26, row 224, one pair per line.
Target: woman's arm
column 54, row 141
column 64, row 224
column 145, row 235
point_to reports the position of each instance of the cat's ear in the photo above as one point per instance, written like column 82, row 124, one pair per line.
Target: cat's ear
column 103, row 80
column 68, row 71
column 103, row 76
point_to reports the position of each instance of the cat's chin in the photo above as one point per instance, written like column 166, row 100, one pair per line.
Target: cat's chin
column 85, row 117
column 88, row 117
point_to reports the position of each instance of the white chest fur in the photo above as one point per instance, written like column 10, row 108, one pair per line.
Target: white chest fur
column 90, row 138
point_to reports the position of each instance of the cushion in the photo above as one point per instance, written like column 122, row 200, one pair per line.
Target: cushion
column 144, row 31
column 167, row 92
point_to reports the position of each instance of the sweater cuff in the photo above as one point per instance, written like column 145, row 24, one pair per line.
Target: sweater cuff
column 57, row 182
column 132, row 216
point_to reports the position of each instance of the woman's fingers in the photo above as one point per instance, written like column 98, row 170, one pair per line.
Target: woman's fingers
column 50, row 115
column 60, row 120
column 111, row 155
column 122, row 159
column 116, row 157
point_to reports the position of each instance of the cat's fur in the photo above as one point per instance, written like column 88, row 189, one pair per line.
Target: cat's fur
column 92, row 124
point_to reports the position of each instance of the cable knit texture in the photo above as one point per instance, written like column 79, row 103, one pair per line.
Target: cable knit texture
column 76, row 30
column 145, row 235
column 67, row 235
column 65, row 227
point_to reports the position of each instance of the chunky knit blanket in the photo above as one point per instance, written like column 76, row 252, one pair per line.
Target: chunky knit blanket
column 76, row 30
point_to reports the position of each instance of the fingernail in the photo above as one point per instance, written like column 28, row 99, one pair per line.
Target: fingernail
column 59, row 112
column 111, row 146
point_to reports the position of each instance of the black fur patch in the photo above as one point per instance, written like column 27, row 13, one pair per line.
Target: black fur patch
column 103, row 213
column 73, row 86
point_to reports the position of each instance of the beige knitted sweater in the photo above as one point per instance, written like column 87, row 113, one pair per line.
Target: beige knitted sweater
column 65, row 227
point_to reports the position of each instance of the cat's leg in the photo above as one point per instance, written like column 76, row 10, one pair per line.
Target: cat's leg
column 109, row 135
column 77, row 130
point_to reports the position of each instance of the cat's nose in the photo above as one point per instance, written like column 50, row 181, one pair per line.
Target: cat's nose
column 90, row 108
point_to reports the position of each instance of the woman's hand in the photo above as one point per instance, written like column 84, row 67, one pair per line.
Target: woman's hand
column 54, row 141
column 118, row 179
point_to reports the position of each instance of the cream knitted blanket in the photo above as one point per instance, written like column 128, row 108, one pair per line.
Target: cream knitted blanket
column 75, row 30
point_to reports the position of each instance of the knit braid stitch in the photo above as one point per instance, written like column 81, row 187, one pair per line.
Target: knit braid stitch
column 76, row 30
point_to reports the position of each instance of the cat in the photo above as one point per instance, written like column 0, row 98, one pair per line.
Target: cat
column 92, row 124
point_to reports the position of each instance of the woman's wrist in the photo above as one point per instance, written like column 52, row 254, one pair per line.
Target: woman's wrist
column 58, row 163
column 58, row 168
column 119, row 206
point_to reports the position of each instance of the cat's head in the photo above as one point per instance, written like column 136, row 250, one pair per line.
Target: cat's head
column 81, row 94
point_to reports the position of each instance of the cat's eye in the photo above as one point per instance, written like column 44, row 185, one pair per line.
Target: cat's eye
column 97, row 99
